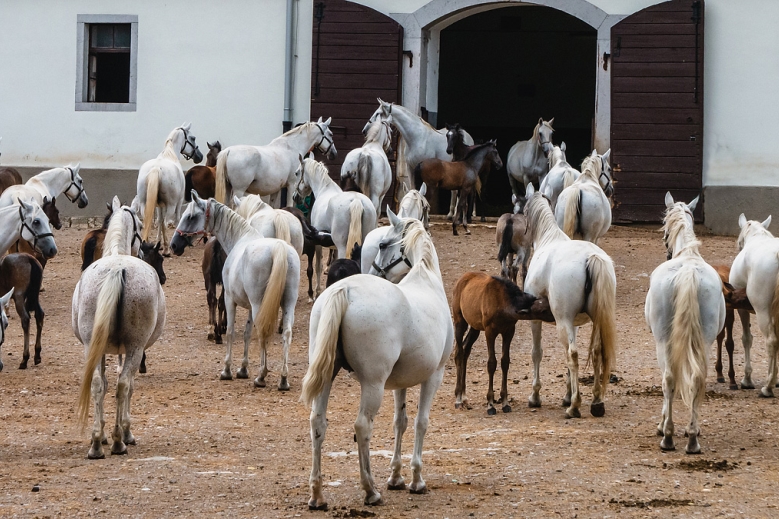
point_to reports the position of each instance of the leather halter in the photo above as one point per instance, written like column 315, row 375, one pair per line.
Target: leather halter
column 72, row 184
column 136, row 235
column 402, row 259
column 35, row 236
column 603, row 174
column 324, row 138
column 203, row 232
column 184, row 146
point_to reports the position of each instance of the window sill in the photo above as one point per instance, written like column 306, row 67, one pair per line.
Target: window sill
column 105, row 107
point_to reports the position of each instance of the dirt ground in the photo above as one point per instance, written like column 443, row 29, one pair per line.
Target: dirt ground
column 209, row 448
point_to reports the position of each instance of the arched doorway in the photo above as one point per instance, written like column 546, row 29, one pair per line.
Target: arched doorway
column 500, row 70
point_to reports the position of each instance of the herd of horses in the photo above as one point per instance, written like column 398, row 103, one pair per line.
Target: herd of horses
column 384, row 314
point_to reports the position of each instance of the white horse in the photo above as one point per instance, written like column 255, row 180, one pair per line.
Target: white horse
column 28, row 222
column 561, row 175
column 756, row 268
column 270, row 222
column 347, row 216
column 418, row 141
column 391, row 337
column 368, row 166
column 49, row 184
column 161, row 182
column 260, row 274
column 118, row 308
column 578, row 279
column 4, row 318
column 526, row 160
column 685, row 310
column 265, row 170
column 413, row 205
column 583, row 209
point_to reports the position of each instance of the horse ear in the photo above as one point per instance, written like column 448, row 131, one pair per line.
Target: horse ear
column 115, row 203
column 728, row 286
column 157, row 247
column 393, row 219
column 6, row 298
column 423, row 189
column 540, row 120
column 694, row 203
column 327, row 123
column 25, row 206
column 550, row 122
column 669, row 200
column 530, row 190
column 319, row 120
column 209, row 145
column 607, row 155
column 236, row 201
column 196, row 198
column 742, row 221
column 186, row 126
column 766, row 222
column 594, row 153
column 45, row 200
column 76, row 168
column 562, row 146
column 111, row 208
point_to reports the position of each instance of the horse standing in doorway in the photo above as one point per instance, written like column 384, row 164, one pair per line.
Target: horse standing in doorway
column 561, row 175
column 526, row 161
column 685, row 310
column 583, row 209
column 160, row 184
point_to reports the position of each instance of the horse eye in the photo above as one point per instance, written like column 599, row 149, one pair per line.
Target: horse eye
column 36, row 222
column 382, row 246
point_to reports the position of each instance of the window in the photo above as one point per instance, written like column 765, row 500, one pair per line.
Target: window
column 107, row 63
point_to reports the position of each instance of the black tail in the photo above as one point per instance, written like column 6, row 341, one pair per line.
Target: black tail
column 188, row 186
column 89, row 252
column 356, row 253
column 418, row 176
column 31, row 302
column 217, row 264
column 505, row 240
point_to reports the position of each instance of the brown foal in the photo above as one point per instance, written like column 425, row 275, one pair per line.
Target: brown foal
column 734, row 300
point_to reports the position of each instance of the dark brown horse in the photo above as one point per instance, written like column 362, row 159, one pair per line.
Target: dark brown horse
column 9, row 177
column 462, row 176
column 456, row 147
column 24, row 274
column 311, row 238
column 214, row 257
column 50, row 208
column 734, row 300
column 203, row 178
column 492, row 305
column 345, row 267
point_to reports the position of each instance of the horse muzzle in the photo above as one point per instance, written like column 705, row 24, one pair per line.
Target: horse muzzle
column 197, row 157
column 332, row 154
column 47, row 247
column 82, row 200
column 177, row 245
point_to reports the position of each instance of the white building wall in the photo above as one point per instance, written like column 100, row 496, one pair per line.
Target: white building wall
column 219, row 65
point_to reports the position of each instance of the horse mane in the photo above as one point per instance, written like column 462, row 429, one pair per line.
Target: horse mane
column 472, row 150
column 676, row 225
column 414, row 194
column 556, row 152
column 317, row 167
column 515, row 294
column 753, row 228
column 250, row 204
column 168, row 151
column 222, row 216
column 417, row 241
column 542, row 222
column 374, row 131
column 591, row 168
column 115, row 238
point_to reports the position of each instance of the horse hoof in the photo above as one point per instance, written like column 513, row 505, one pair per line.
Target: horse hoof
column 482, row 219
column 491, row 411
column 776, row 385
column 374, row 500
column 766, row 393
column 747, row 385
column 96, row 455
column 314, row 505
column 734, row 387
column 467, row 232
column 397, row 484
column 37, row 360
column 721, row 380
column 242, row 373
column 454, row 233
column 283, row 384
column 259, row 382
column 693, row 447
column 660, row 432
column 667, row 444
column 613, row 379
column 226, row 375
column 217, row 340
column 211, row 337
column 534, row 403
column 119, row 451
column 130, row 440
column 598, row 410
column 566, row 402
column 1, row 366
column 573, row 413
column 421, row 488
column 506, row 408
column 458, row 405
column 104, row 441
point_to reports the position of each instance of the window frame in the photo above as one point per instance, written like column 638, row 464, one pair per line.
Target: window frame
column 83, row 21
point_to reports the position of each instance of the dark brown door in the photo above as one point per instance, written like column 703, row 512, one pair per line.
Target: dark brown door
column 357, row 57
column 657, row 108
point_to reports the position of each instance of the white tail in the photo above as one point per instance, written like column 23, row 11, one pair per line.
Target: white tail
column 401, row 171
column 687, row 349
column 568, row 178
column 775, row 307
column 281, row 226
column 602, row 313
column 322, row 360
column 152, row 191
column 222, row 185
column 106, row 320
column 363, row 176
column 571, row 216
column 355, row 224
column 269, row 309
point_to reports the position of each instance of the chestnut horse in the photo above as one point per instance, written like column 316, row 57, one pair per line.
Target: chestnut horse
column 492, row 305
column 23, row 273
column 50, row 208
column 462, row 176
column 734, row 300
column 203, row 178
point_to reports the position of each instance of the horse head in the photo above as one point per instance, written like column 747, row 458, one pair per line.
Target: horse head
column 382, row 113
column 303, row 176
column 35, row 228
column 150, row 253
column 189, row 147
column 676, row 214
column 192, row 225
column 213, row 152
column 454, row 137
column 75, row 191
column 543, row 133
column 326, row 144
column 493, row 156
column 4, row 317
column 50, row 208
column 751, row 228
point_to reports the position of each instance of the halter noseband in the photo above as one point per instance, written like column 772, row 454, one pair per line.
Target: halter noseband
column 203, row 232
column 324, row 138
column 184, row 146
column 72, row 184
column 136, row 235
column 35, row 236
column 402, row 259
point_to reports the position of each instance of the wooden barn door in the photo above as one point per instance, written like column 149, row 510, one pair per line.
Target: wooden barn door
column 357, row 57
column 657, row 108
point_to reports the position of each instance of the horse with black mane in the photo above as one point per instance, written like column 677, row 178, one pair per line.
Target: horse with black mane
column 203, row 178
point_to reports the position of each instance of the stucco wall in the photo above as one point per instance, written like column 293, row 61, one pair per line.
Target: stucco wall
column 219, row 65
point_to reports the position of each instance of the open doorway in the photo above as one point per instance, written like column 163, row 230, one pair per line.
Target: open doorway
column 500, row 70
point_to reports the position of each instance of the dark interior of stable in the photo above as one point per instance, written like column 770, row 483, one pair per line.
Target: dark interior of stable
column 501, row 70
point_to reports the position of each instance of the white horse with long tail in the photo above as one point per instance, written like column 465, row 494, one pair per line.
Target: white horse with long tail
column 49, row 184
column 526, row 162
column 368, row 166
column 260, row 274
column 413, row 205
column 391, row 337
column 685, row 310
column 418, row 141
column 265, row 170
column 118, row 308
column 160, row 184
column 583, row 209
column 270, row 222
column 346, row 215
column 756, row 268
column 578, row 279
column 561, row 175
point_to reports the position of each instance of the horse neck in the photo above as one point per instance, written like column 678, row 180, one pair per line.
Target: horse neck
column 321, row 183
column 300, row 140
column 53, row 181
column 172, row 146
column 406, row 122
column 10, row 226
column 460, row 149
column 477, row 158
column 228, row 227
column 118, row 241
column 545, row 221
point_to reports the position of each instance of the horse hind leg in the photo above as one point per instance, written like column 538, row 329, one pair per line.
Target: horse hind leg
column 426, row 393
column 537, row 354
column 288, row 320
column 370, row 401
column 567, row 335
column 452, row 206
column 395, row 481
column 746, row 339
column 98, row 390
column 666, row 427
column 39, row 315
column 318, row 423
column 24, row 315
column 492, row 364
column 247, row 340
column 124, row 389
column 461, row 360
column 693, row 430
column 505, row 362
column 230, row 310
